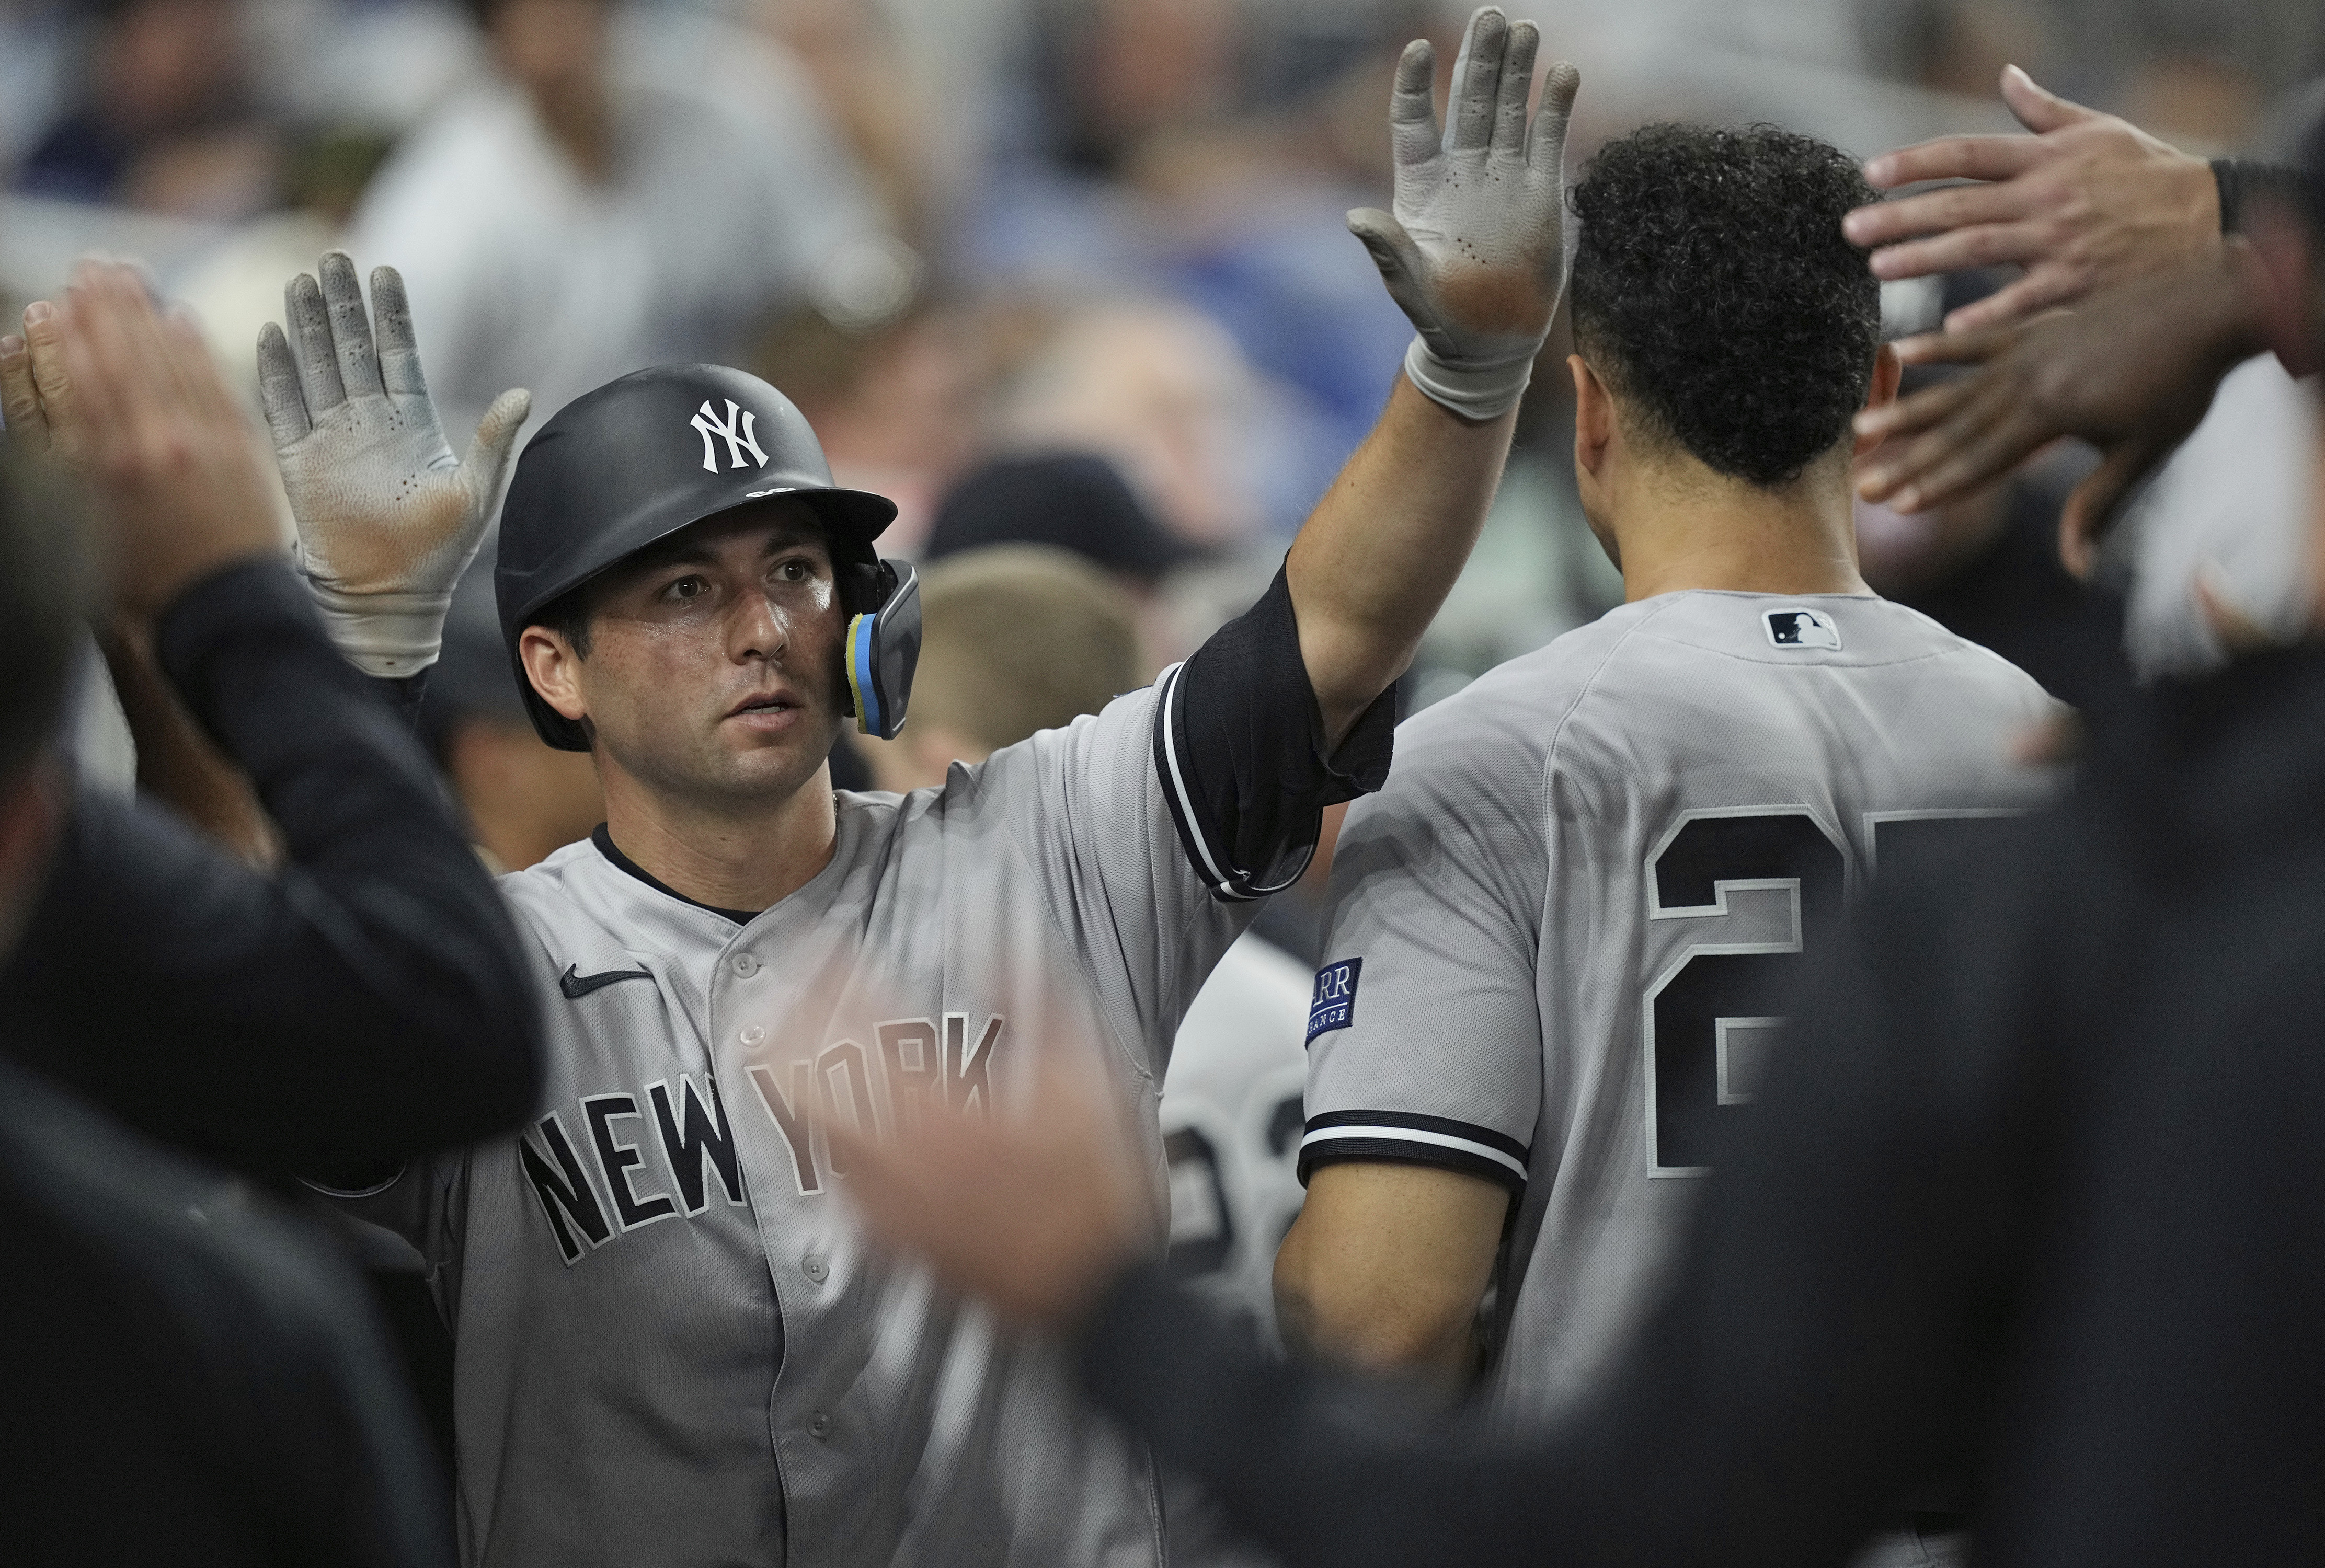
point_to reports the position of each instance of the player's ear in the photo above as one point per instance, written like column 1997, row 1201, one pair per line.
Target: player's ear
column 1887, row 370
column 1594, row 415
column 553, row 665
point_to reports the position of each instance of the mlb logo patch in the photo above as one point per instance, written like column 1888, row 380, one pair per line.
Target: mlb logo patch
column 1334, row 1005
column 1801, row 628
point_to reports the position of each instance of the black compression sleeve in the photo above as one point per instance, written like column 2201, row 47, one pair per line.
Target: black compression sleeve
column 369, row 1001
column 2243, row 181
column 1239, row 742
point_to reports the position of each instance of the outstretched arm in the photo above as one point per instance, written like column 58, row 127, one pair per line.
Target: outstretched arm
column 1474, row 254
column 371, row 1000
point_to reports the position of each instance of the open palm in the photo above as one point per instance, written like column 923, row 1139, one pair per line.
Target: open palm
column 382, row 505
column 1475, row 250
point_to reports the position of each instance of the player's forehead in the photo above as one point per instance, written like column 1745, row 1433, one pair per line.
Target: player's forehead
column 763, row 530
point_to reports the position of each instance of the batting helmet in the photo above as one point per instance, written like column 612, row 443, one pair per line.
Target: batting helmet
column 660, row 450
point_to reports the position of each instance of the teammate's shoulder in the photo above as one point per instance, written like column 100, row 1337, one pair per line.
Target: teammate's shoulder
column 1966, row 661
column 1123, row 729
column 550, row 873
column 1512, row 713
column 1531, row 687
column 1775, row 629
column 1832, row 629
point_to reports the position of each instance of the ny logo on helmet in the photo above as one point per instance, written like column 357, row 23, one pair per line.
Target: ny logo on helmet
column 739, row 430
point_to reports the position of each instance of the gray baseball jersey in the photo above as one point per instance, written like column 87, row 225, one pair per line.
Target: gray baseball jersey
column 673, row 1348
column 1558, row 934
column 1231, row 1114
column 1231, row 1110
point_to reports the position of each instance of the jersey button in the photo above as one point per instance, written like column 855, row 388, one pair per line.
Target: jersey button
column 751, row 1035
column 746, row 965
column 818, row 1424
column 816, row 1268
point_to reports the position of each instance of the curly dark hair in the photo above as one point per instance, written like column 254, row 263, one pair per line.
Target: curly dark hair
column 1714, row 293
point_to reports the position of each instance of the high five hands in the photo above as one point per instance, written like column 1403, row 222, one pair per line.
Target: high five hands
column 2088, row 203
column 1474, row 252
column 2104, row 218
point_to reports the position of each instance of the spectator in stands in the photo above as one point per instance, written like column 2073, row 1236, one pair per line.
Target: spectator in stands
column 1068, row 501
column 163, row 119
column 895, row 406
column 593, row 207
column 1014, row 639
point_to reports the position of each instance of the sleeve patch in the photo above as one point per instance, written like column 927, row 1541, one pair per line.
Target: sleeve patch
column 1334, row 1005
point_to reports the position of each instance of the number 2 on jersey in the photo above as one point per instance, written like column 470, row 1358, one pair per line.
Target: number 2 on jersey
column 1711, row 1017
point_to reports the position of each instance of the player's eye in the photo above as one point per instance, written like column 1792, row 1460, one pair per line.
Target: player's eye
column 794, row 569
column 685, row 590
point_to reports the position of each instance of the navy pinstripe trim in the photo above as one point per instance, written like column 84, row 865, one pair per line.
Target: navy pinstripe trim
column 1408, row 1136
column 1199, row 836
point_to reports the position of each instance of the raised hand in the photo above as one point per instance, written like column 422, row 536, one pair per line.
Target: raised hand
column 1475, row 250
column 2089, row 202
column 2133, row 372
column 388, row 518
column 128, row 402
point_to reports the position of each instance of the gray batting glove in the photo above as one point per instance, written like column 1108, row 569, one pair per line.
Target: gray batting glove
column 388, row 519
column 1476, row 252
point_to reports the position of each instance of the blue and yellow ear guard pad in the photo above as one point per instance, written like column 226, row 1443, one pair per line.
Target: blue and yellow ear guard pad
column 883, row 647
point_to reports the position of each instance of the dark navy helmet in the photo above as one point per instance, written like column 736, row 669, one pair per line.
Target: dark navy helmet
column 660, row 450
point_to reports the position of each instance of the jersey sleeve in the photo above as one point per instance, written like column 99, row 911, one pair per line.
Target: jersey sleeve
column 1158, row 823
column 1085, row 807
column 1425, row 1032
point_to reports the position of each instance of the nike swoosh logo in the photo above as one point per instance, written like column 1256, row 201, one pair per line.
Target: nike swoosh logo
column 576, row 985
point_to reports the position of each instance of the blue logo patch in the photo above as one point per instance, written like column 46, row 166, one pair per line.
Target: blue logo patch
column 1801, row 628
column 1334, row 1005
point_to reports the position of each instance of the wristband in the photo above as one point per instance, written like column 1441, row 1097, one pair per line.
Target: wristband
column 2241, row 179
column 389, row 635
column 1478, row 392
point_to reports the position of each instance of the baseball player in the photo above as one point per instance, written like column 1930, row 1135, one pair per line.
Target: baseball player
column 1558, row 936
column 672, row 1345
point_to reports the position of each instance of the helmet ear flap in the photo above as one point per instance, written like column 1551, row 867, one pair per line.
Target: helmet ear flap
column 884, row 646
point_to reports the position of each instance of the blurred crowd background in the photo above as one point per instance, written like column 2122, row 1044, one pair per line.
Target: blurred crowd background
column 980, row 242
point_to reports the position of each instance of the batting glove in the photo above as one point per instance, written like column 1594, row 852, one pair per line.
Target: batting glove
column 1476, row 250
column 388, row 519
